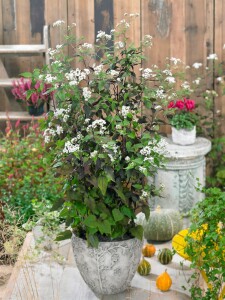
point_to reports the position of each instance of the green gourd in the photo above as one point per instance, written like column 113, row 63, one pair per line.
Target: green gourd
column 144, row 267
column 162, row 224
column 165, row 256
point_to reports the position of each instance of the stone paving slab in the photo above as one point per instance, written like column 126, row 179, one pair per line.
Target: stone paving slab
column 47, row 279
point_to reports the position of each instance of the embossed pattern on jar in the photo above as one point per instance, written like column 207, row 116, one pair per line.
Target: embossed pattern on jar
column 109, row 268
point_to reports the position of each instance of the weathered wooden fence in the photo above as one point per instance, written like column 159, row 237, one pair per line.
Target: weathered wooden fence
column 186, row 29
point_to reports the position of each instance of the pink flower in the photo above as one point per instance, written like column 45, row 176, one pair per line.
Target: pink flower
column 171, row 104
column 180, row 104
column 190, row 104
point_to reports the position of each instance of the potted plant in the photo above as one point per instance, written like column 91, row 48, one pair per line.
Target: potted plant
column 106, row 150
column 32, row 92
column 183, row 121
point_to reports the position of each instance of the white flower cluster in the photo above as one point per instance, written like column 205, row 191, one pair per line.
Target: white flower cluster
column 160, row 93
column 147, row 73
column 132, row 15
column 123, row 23
column 77, row 138
column 185, row 85
column 154, row 147
column 125, row 111
column 98, row 123
column 114, row 73
column 197, row 81
column 146, row 151
column 97, row 69
column 211, row 93
column 147, row 41
column 69, row 147
column 118, row 126
column 86, row 93
column 58, row 23
column 49, row 78
column 114, row 151
column 175, row 60
column 167, row 72
column 197, row 65
column 59, row 130
column 119, row 45
column 102, row 35
column 142, row 169
column 86, row 46
column 94, row 153
column 57, row 62
column 73, row 145
column 144, row 195
column 75, row 76
column 160, row 147
column 48, row 134
column 53, row 52
column 212, row 56
column 170, row 79
column 62, row 113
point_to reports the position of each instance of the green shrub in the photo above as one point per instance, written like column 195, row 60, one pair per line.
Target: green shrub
column 25, row 173
column 207, row 247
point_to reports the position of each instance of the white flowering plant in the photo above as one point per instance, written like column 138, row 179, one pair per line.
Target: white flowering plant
column 106, row 148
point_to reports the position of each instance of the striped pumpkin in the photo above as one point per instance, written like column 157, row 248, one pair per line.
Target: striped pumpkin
column 144, row 267
column 162, row 225
column 165, row 256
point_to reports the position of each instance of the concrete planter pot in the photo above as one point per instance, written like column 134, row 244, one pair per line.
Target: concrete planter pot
column 110, row 268
column 183, row 136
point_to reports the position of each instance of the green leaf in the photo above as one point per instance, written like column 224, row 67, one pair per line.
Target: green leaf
column 91, row 221
column 137, row 186
column 127, row 211
column 104, row 227
column 137, row 232
column 64, row 235
column 102, row 184
column 92, row 240
column 109, row 174
column 26, row 74
column 121, row 195
column 117, row 215
column 146, row 211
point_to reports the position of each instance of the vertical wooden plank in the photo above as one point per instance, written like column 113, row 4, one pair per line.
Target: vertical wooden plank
column 85, row 22
column 156, row 21
column 219, row 103
column 55, row 10
column 2, row 92
column 1, row 22
column 8, row 37
column 198, row 30
column 177, row 36
column 23, row 34
column 129, row 7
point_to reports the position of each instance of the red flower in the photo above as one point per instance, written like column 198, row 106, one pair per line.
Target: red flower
column 171, row 104
column 180, row 104
column 190, row 104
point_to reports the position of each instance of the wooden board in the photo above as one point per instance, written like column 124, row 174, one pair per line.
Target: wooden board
column 219, row 103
